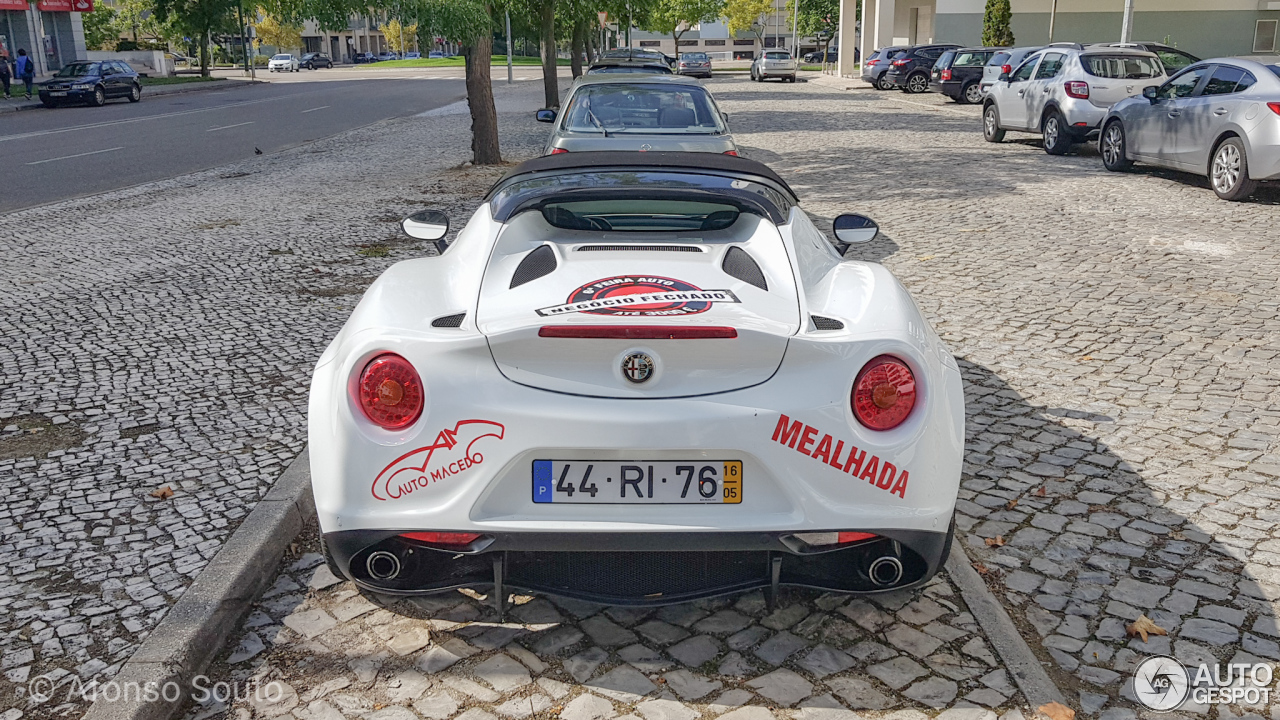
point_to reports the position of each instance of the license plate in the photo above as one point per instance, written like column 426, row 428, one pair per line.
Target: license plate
column 58, row 93
column 700, row 482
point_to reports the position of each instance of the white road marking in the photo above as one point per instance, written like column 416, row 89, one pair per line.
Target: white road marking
column 304, row 112
column 227, row 127
column 68, row 157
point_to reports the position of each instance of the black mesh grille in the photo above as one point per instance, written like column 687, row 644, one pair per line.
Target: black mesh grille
column 737, row 263
column 449, row 321
column 826, row 323
column 542, row 261
column 634, row 576
column 639, row 248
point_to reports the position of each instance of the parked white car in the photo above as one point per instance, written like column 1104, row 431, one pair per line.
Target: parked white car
column 774, row 64
column 283, row 63
column 1063, row 92
column 650, row 364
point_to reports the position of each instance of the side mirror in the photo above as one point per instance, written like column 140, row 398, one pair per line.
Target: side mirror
column 546, row 115
column 853, row 229
column 1149, row 93
column 427, row 225
column 724, row 116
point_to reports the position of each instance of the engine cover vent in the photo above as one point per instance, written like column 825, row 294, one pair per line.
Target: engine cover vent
column 542, row 261
column 737, row 263
column 639, row 248
column 449, row 321
column 826, row 323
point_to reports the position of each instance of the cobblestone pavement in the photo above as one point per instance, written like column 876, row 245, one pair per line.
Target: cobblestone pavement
column 163, row 336
column 336, row 654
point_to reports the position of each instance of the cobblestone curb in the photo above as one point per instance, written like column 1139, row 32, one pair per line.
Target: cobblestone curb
column 197, row 627
column 1020, row 662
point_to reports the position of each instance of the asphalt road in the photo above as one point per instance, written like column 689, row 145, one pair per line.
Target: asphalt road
column 50, row 155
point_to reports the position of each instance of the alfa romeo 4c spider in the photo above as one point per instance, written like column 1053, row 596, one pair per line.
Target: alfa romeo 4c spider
column 636, row 378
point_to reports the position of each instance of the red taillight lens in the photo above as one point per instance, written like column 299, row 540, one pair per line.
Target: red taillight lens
column 1077, row 89
column 824, row 539
column 848, row 537
column 946, row 74
column 884, row 393
column 731, row 152
column 900, row 63
column 1006, row 69
column 559, row 151
column 391, row 392
column 873, row 62
column 443, row 538
column 1275, row 107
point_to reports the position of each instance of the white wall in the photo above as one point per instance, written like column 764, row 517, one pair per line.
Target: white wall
column 146, row 62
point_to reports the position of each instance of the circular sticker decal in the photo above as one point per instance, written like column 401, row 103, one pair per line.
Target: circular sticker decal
column 1160, row 683
column 640, row 296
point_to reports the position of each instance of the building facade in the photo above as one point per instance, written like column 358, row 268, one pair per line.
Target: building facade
column 51, row 31
column 715, row 39
column 1212, row 28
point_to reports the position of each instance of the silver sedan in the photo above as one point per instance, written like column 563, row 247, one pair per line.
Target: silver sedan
column 1219, row 118
column 631, row 111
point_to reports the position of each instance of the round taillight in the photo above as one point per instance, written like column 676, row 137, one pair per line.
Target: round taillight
column 884, row 393
column 391, row 392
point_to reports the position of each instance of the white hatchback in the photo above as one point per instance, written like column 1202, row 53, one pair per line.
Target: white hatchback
column 283, row 63
column 774, row 63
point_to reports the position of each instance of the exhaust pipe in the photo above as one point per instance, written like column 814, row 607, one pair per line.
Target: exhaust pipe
column 885, row 571
column 382, row 565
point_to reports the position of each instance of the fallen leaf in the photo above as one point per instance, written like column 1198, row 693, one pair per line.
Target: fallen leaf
column 163, row 493
column 1144, row 626
column 982, row 569
column 1057, row 711
column 379, row 706
column 923, row 258
column 997, row 541
column 1041, row 491
column 1012, row 504
column 1086, row 357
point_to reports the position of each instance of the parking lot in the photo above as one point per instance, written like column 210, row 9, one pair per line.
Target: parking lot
column 1118, row 334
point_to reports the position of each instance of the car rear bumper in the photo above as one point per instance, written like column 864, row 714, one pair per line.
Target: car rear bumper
column 950, row 88
column 893, row 76
column 638, row 568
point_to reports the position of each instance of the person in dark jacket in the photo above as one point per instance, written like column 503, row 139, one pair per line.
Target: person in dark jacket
column 25, row 69
column 5, row 74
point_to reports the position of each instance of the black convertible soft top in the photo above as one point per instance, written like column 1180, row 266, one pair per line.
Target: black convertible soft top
column 622, row 160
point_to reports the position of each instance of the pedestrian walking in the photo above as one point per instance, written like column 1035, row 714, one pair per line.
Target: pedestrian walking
column 25, row 69
column 5, row 74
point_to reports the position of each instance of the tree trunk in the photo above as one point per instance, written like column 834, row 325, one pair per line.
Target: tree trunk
column 484, row 116
column 550, row 83
column 204, row 53
column 575, row 47
column 593, row 41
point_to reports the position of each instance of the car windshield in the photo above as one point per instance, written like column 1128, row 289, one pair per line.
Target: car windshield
column 999, row 58
column 628, row 108
column 280, row 57
column 639, row 215
column 777, row 56
column 1122, row 67
column 642, row 69
column 78, row 69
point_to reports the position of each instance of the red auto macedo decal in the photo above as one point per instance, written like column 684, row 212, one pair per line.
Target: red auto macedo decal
column 639, row 296
column 882, row 474
column 450, row 455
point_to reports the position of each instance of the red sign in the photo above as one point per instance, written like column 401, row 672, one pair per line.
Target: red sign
column 13, row 4
column 54, row 5
column 82, row 5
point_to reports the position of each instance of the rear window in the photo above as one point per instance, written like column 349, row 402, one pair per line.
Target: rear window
column 777, row 56
column 944, row 61
column 1122, row 67
column 640, row 215
column 694, row 56
column 999, row 58
column 970, row 59
column 1275, row 70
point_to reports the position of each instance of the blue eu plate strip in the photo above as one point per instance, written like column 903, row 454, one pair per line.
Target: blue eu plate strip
column 543, row 490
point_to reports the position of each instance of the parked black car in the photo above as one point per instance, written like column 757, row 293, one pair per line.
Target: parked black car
column 91, row 82
column 816, row 56
column 874, row 69
column 311, row 61
column 1172, row 58
column 364, row 57
column 957, row 73
column 909, row 69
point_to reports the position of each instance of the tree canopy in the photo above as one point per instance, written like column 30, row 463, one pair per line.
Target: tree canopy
column 996, row 30
column 747, row 16
column 676, row 17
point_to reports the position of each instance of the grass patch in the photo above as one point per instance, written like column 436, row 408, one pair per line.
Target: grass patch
column 374, row 251
column 459, row 62
column 811, row 68
column 178, row 80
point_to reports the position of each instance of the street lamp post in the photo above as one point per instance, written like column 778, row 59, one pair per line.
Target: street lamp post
column 1126, row 28
column 509, row 80
column 795, row 28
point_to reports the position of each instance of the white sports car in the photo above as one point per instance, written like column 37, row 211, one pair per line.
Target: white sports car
column 636, row 378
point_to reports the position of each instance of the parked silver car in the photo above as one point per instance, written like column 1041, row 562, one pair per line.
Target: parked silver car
column 1219, row 118
column 695, row 64
column 774, row 63
column 638, row 112
column 1003, row 61
column 1063, row 92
